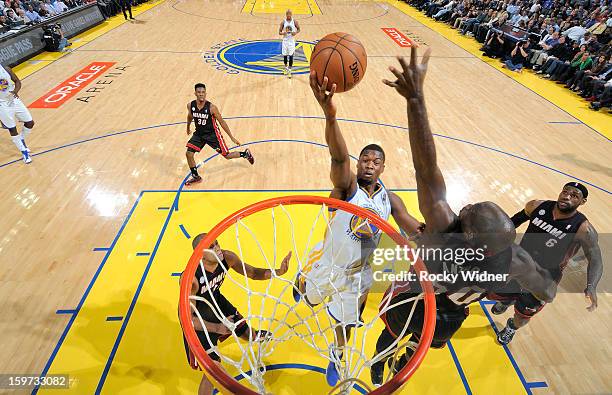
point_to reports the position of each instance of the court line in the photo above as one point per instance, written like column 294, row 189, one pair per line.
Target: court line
column 65, row 311
column 163, row 208
column 85, row 294
column 143, row 253
column 130, row 310
column 301, row 366
column 320, row 117
column 517, row 369
column 386, row 11
column 567, row 122
column 537, row 384
column 468, row 390
column 176, row 274
column 184, row 230
column 111, row 318
column 101, row 249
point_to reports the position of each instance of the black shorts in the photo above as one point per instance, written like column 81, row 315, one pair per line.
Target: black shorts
column 214, row 140
column 525, row 304
column 231, row 313
column 447, row 322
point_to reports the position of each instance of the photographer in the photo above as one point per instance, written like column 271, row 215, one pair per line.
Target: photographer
column 518, row 57
column 54, row 38
column 495, row 45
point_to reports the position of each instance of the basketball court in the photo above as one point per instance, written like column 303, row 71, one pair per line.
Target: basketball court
column 98, row 228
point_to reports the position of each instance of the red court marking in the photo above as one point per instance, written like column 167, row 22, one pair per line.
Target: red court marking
column 67, row 89
column 399, row 37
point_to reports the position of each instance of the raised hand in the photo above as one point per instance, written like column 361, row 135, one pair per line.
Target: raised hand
column 323, row 97
column 284, row 265
column 409, row 81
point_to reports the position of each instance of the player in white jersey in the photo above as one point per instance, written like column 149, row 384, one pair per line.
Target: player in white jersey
column 339, row 271
column 289, row 28
column 12, row 109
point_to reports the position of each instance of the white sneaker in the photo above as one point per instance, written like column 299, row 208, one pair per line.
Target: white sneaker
column 289, row 73
column 26, row 157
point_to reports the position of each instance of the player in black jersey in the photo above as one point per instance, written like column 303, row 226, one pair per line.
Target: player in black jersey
column 479, row 226
column 206, row 115
column 555, row 233
column 207, row 284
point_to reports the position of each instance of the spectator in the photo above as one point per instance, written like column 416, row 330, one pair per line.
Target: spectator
column 13, row 19
column 33, row 15
column 599, row 66
column 558, row 55
column 575, row 33
column 495, row 45
column 49, row 10
column 59, row 6
column 518, row 57
column 582, row 61
column 444, row 11
column 539, row 56
column 605, row 99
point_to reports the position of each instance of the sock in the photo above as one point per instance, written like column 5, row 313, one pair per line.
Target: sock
column 25, row 132
column 18, row 142
column 291, row 61
column 194, row 171
column 511, row 324
column 285, row 60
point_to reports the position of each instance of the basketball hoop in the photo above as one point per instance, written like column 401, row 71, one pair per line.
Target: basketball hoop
column 283, row 318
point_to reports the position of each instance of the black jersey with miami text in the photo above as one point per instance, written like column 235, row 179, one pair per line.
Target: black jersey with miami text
column 209, row 284
column 203, row 118
column 549, row 241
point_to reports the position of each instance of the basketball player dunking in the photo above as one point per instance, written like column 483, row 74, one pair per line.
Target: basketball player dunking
column 12, row 109
column 480, row 226
column 341, row 254
column 555, row 233
column 289, row 28
column 206, row 115
column 207, row 285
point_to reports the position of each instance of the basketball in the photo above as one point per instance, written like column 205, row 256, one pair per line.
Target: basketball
column 341, row 58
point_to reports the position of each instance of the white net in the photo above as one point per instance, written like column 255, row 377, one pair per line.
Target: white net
column 296, row 331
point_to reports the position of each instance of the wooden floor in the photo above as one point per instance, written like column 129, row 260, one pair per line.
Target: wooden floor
column 66, row 214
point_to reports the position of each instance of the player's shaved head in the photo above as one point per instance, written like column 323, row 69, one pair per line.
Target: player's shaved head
column 196, row 240
column 486, row 224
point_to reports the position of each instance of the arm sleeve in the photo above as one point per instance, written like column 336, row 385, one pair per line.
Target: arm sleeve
column 519, row 218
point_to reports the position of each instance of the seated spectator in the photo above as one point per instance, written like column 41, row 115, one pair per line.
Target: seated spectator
column 50, row 11
column 599, row 66
column 33, row 15
column 589, row 83
column 59, row 6
column 518, row 57
column 558, row 56
column 539, row 56
column 494, row 47
column 3, row 25
column 444, row 11
column 13, row 19
column 605, row 99
column 582, row 61
column 575, row 33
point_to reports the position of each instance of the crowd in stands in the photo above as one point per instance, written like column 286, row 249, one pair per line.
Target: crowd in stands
column 16, row 13
column 566, row 41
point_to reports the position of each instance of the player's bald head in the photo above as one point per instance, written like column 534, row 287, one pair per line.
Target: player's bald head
column 486, row 224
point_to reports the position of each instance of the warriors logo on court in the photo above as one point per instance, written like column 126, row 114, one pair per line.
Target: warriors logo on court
column 261, row 57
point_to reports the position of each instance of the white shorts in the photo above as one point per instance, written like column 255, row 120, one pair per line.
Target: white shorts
column 288, row 47
column 343, row 287
column 13, row 111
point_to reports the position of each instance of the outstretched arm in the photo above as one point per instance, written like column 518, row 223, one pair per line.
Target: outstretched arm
column 523, row 216
column 255, row 273
column 410, row 225
column 217, row 114
column 588, row 239
column 341, row 175
column 531, row 276
column 430, row 182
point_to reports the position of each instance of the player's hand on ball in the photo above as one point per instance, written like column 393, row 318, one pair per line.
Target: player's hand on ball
column 591, row 296
column 323, row 97
column 284, row 265
column 409, row 82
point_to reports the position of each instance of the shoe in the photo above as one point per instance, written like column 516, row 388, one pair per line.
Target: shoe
column 592, row 98
column 26, row 157
column 26, row 147
column 377, row 372
column 331, row 374
column 249, row 156
column 285, row 70
column 500, row 308
column 193, row 180
column 297, row 296
column 289, row 73
column 596, row 105
column 505, row 335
